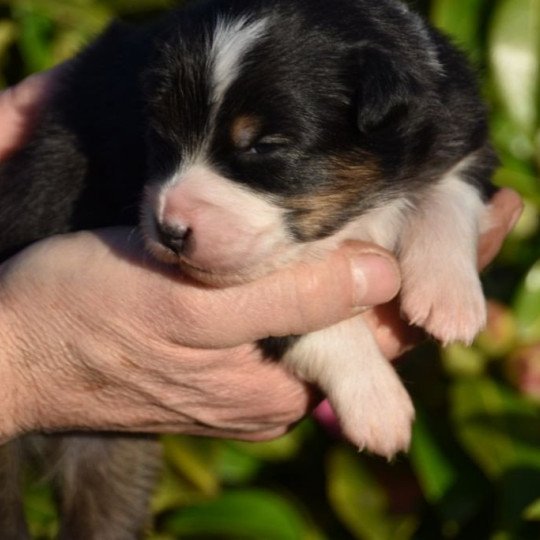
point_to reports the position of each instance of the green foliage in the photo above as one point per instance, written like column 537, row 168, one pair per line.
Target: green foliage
column 474, row 468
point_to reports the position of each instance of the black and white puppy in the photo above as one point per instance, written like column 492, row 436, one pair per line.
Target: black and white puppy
column 256, row 133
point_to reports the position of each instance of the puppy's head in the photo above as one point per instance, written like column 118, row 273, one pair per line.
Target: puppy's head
column 269, row 132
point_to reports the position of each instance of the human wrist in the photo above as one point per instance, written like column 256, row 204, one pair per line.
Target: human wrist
column 8, row 427
column 11, row 389
column 23, row 346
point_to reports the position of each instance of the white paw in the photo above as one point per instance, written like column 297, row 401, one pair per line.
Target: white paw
column 450, row 307
column 376, row 415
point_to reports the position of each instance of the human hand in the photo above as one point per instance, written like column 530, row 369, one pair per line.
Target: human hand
column 97, row 336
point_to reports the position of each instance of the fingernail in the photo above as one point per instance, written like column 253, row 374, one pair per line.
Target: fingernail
column 376, row 277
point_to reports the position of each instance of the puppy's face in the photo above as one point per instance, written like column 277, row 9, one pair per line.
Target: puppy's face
column 262, row 145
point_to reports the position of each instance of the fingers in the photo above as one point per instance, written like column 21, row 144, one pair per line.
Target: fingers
column 305, row 297
column 394, row 335
column 19, row 109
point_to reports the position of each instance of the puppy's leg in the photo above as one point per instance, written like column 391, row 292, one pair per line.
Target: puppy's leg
column 372, row 405
column 12, row 520
column 105, row 485
column 441, row 290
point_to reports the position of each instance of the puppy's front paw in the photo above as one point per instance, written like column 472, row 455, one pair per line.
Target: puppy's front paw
column 376, row 415
column 449, row 306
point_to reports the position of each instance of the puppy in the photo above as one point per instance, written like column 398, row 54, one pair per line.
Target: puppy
column 248, row 135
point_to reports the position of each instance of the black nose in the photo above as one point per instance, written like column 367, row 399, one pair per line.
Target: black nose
column 173, row 237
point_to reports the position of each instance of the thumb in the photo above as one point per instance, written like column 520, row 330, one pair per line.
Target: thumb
column 308, row 296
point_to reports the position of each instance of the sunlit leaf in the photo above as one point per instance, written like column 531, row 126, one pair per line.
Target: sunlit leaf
column 8, row 34
column 527, row 305
column 174, row 492
column 34, row 43
column 463, row 361
column 194, row 460
column 245, row 514
column 461, row 20
column 514, row 52
column 66, row 44
column 89, row 17
column 532, row 512
column 527, row 185
column 282, row 448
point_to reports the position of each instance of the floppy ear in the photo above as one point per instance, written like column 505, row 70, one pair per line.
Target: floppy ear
column 386, row 91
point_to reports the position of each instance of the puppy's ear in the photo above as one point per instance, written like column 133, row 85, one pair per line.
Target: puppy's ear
column 386, row 90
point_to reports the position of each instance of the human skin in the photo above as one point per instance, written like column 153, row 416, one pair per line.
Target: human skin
column 98, row 336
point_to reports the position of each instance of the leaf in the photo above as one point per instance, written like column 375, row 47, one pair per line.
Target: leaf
column 360, row 501
column 34, row 44
column 526, row 184
column 532, row 512
column 66, row 44
column 448, row 478
column 461, row 20
column 235, row 465
column 40, row 510
column 527, row 305
column 243, row 514
column 174, row 492
column 88, row 17
column 8, row 34
column 140, row 6
column 280, row 449
column 194, row 460
column 462, row 361
column 514, row 54
column 500, row 429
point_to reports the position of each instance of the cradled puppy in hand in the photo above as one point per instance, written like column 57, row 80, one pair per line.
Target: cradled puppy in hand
column 242, row 136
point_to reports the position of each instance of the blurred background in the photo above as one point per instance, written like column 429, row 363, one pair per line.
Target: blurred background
column 474, row 468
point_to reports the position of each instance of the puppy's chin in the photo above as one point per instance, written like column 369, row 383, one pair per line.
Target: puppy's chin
column 209, row 276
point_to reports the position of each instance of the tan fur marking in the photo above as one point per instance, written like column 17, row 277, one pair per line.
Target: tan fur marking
column 349, row 183
column 244, row 130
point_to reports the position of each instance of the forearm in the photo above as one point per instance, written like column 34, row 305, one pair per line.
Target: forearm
column 9, row 404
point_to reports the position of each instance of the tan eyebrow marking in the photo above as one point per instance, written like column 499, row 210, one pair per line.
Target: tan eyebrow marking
column 244, row 130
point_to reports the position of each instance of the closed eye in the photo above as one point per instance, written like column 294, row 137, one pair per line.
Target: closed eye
column 267, row 145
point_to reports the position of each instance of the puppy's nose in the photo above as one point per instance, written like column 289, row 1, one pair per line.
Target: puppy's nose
column 173, row 236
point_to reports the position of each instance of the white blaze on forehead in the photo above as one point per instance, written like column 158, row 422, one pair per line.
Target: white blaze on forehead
column 232, row 40
column 200, row 188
